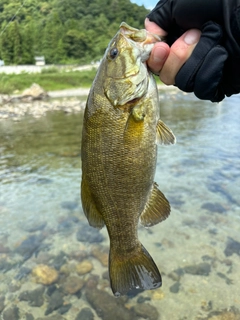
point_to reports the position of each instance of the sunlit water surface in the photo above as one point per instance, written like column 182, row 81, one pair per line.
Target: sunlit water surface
column 197, row 249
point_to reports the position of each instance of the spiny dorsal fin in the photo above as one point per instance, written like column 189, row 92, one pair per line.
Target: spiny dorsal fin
column 91, row 212
column 164, row 134
column 156, row 209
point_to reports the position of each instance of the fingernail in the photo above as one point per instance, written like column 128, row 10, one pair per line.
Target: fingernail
column 192, row 36
column 159, row 55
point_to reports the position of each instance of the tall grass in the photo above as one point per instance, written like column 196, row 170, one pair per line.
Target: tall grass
column 49, row 81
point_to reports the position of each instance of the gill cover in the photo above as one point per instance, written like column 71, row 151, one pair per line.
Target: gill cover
column 126, row 74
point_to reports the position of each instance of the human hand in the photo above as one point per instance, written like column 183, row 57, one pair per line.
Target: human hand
column 208, row 65
column 166, row 61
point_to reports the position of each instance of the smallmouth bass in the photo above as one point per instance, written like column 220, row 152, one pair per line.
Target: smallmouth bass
column 121, row 127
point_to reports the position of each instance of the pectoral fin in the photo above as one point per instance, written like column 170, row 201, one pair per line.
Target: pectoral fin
column 89, row 207
column 164, row 134
column 156, row 210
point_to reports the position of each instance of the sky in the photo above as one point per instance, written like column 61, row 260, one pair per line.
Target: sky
column 149, row 4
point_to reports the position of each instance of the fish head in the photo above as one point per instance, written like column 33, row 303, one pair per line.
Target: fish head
column 126, row 74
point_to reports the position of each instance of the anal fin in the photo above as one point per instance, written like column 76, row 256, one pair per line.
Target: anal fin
column 89, row 207
column 164, row 134
column 156, row 209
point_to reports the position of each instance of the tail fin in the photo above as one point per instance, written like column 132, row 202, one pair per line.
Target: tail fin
column 136, row 271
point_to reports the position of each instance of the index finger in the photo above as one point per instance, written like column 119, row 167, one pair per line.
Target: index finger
column 154, row 28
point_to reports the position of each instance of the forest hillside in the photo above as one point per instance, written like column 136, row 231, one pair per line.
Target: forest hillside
column 63, row 31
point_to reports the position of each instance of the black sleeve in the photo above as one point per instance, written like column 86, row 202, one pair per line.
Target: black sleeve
column 213, row 70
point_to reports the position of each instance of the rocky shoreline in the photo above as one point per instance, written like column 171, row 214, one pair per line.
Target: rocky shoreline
column 36, row 102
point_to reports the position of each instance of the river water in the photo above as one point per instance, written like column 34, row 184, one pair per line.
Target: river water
column 197, row 249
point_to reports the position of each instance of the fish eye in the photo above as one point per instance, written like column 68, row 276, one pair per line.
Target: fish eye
column 113, row 53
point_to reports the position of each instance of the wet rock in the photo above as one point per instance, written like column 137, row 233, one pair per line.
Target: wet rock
column 85, row 314
column 34, row 297
column 201, row 269
column 23, row 273
column 6, row 265
column 157, row 294
column 29, row 246
column 65, row 308
column 14, row 286
column 59, row 260
column 51, row 289
column 101, row 254
column 108, row 307
column 213, row 207
column 55, row 302
column 2, row 306
column 72, row 285
column 89, row 234
column 84, row 267
column 12, row 313
column 44, row 274
column 142, row 299
column 175, row 287
column 232, row 247
column 29, row 316
column 146, row 311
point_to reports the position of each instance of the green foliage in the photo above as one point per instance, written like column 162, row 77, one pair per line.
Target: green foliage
column 64, row 31
column 50, row 80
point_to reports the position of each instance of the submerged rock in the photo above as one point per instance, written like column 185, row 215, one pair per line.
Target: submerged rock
column 44, row 274
column 101, row 254
column 34, row 297
column 84, row 267
column 146, row 311
column 232, row 247
column 72, row 285
column 85, row 314
column 12, row 313
column 89, row 234
column 55, row 302
column 213, row 207
column 28, row 246
column 108, row 307
column 201, row 269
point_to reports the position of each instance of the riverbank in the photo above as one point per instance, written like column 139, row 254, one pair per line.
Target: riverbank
column 68, row 101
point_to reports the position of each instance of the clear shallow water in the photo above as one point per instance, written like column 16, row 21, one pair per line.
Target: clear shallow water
column 197, row 248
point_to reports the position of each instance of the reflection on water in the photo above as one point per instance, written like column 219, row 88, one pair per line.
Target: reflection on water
column 53, row 266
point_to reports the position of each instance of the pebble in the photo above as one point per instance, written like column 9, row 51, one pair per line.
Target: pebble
column 146, row 311
column 232, row 247
column 28, row 246
column 53, row 317
column 12, row 313
column 65, row 308
column 55, row 302
column 101, row 254
column 34, row 297
column 213, row 207
column 89, row 234
column 29, row 316
column 108, row 307
column 45, row 274
column 175, row 287
column 59, row 260
column 201, row 269
column 85, row 314
column 72, row 285
column 227, row 314
column 33, row 226
column 84, row 267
